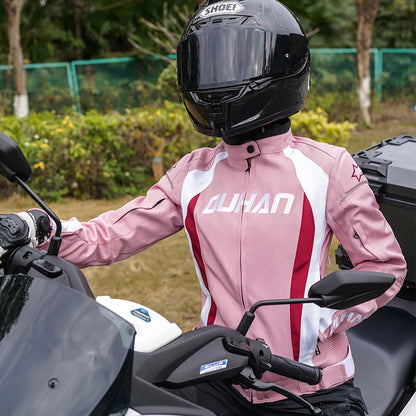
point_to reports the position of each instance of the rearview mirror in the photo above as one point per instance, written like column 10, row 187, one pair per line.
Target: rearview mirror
column 346, row 288
column 12, row 160
column 341, row 289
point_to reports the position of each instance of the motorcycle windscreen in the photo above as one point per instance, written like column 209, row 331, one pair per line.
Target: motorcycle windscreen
column 61, row 353
column 220, row 56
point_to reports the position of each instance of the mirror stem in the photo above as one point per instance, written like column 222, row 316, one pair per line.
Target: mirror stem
column 249, row 316
column 55, row 242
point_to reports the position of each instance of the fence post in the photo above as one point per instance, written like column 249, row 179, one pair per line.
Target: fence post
column 378, row 73
column 71, row 85
column 73, row 75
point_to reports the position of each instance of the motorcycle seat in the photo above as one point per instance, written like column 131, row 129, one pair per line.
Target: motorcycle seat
column 384, row 351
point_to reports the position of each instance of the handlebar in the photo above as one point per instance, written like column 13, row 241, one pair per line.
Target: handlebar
column 295, row 370
column 261, row 359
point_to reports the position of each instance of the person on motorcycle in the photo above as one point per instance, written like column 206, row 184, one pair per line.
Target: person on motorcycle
column 259, row 209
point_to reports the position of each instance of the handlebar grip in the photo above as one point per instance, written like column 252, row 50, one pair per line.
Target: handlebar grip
column 296, row 370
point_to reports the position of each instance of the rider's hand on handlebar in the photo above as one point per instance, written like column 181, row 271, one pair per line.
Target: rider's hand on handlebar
column 24, row 228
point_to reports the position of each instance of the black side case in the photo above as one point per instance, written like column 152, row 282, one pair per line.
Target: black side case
column 383, row 345
column 390, row 168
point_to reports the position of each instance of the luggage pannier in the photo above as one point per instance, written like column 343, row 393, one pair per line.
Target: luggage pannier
column 390, row 168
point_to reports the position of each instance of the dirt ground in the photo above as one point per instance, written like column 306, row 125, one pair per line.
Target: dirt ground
column 388, row 120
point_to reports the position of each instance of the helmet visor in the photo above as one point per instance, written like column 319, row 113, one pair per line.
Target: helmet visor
column 219, row 56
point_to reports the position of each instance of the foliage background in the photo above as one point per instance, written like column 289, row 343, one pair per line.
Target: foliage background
column 96, row 156
column 48, row 32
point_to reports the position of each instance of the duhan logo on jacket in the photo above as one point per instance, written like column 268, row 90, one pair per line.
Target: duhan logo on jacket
column 253, row 204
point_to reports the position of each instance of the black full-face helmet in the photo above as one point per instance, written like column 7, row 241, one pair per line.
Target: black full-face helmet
column 242, row 65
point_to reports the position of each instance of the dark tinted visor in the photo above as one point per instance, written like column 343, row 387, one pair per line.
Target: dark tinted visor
column 218, row 56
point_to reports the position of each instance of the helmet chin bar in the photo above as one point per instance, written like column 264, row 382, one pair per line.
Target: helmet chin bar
column 274, row 128
column 245, row 110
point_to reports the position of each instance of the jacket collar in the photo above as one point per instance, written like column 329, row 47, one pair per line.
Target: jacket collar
column 250, row 149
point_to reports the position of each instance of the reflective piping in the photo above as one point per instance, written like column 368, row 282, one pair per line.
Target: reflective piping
column 353, row 190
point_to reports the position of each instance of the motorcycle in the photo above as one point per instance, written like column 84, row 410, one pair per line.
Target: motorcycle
column 63, row 352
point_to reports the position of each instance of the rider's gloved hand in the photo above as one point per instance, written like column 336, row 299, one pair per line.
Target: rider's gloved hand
column 24, row 228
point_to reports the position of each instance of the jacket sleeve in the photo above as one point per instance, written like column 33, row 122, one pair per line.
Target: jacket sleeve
column 117, row 235
column 354, row 217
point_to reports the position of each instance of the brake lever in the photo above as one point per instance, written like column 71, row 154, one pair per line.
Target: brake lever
column 256, row 349
column 248, row 380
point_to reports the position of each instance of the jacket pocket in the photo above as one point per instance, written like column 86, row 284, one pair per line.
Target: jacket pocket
column 371, row 248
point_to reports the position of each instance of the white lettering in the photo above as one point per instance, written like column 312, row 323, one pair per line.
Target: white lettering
column 351, row 317
column 290, row 198
column 240, row 203
column 334, row 326
column 253, row 205
column 249, row 203
column 230, row 208
column 212, row 205
column 226, row 7
column 356, row 319
column 263, row 206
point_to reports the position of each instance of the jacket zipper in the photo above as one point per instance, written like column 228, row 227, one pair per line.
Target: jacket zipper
column 247, row 171
column 248, row 165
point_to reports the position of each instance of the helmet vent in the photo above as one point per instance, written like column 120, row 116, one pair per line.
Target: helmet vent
column 217, row 20
column 217, row 97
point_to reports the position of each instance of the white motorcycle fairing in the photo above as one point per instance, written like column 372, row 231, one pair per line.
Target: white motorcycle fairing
column 152, row 329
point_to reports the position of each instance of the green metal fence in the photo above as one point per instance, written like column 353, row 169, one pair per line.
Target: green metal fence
column 393, row 71
column 99, row 84
column 120, row 83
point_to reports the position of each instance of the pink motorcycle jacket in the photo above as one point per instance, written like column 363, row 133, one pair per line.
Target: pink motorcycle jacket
column 259, row 218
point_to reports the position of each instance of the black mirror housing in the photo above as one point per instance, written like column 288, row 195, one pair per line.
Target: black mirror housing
column 343, row 289
column 12, row 160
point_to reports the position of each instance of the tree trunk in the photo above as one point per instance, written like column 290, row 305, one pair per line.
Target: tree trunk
column 366, row 14
column 78, row 9
column 21, row 100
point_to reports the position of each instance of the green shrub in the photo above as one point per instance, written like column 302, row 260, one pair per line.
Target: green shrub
column 339, row 106
column 108, row 155
column 167, row 84
column 100, row 156
column 315, row 124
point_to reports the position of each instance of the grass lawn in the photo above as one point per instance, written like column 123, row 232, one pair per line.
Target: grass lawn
column 162, row 277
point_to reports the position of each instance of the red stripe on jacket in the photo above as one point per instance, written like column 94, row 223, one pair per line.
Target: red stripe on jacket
column 196, row 249
column 300, row 272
